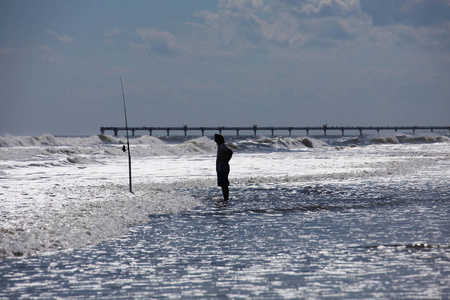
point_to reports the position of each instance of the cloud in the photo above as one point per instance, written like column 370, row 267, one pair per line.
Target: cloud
column 48, row 54
column 411, row 22
column 323, row 22
column 239, row 5
column 321, row 8
column 240, row 26
column 264, row 26
column 113, row 32
column 157, row 42
column 61, row 37
column 43, row 52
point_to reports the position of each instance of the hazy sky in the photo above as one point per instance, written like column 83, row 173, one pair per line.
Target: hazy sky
column 222, row 63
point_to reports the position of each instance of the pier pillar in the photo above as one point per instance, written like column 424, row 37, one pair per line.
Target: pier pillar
column 150, row 132
column 168, row 131
column 255, row 129
column 290, row 131
column 271, row 128
column 102, row 130
column 360, row 131
column 342, row 129
column 307, row 131
column 132, row 131
column 414, row 130
column 115, row 131
column 185, row 129
column 237, row 131
column 378, row 130
column 203, row 131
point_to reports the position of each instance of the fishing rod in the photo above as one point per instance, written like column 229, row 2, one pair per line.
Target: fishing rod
column 128, row 140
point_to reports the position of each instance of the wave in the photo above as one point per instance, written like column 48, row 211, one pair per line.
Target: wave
column 79, row 160
column 85, row 149
column 407, row 139
column 385, row 140
column 275, row 143
column 26, row 141
column 26, row 147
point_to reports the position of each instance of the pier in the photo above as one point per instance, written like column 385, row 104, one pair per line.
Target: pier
column 255, row 128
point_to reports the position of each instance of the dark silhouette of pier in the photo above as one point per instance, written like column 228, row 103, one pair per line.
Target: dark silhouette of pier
column 255, row 129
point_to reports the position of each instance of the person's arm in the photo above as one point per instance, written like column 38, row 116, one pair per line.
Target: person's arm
column 229, row 154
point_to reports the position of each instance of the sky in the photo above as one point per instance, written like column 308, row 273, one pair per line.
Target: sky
column 222, row 63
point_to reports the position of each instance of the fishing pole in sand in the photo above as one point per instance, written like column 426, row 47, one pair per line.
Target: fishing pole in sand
column 128, row 140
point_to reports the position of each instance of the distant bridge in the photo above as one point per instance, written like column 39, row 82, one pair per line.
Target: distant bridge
column 256, row 128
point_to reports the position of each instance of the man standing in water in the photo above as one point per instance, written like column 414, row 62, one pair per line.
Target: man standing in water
column 224, row 155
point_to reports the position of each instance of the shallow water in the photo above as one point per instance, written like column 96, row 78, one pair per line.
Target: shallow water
column 370, row 221
column 339, row 240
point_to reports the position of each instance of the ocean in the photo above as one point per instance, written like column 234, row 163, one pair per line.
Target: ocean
column 309, row 217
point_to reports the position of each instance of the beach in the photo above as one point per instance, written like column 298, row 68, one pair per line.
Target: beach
column 340, row 217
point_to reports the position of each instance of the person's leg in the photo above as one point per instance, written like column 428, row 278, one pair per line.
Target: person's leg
column 225, row 192
column 222, row 181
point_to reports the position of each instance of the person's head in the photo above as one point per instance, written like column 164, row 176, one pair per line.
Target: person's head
column 219, row 139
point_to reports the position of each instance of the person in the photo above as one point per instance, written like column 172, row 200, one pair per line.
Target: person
column 224, row 155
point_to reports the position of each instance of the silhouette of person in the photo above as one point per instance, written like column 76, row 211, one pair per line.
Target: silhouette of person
column 224, row 155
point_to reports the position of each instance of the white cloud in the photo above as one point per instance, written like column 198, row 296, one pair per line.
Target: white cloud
column 158, row 42
column 422, row 23
column 48, row 54
column 263, row 25
column 241, row 4
column 234, row 28
column 328, row 7
column 61, row 37
column 257, row 25
column 113, row 32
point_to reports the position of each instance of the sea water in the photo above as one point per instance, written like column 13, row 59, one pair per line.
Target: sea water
column 308, row 217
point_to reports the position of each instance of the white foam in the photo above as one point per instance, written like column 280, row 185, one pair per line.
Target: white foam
column 72, row 216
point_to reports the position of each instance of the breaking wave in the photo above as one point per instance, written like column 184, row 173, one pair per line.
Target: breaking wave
column 406, row 139
column 82, row 149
